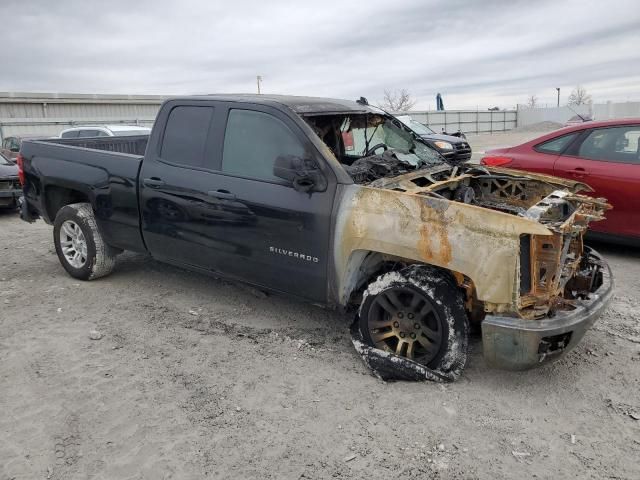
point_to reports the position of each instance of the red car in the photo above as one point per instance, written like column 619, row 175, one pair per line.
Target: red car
column 605, row 155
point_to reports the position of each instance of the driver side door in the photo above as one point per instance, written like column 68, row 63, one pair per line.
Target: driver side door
column 272, row 235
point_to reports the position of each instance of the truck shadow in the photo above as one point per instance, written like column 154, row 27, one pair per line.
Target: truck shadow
column 222, row 306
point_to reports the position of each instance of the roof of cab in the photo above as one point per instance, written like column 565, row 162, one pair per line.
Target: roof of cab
column 300, row 105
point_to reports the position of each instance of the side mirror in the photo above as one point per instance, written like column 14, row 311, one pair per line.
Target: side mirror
column 304, row 175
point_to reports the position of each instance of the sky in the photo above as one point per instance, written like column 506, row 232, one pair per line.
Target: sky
column 477, row 54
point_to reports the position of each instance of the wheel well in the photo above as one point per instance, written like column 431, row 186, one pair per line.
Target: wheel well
column 58, row 197
column 373, row 264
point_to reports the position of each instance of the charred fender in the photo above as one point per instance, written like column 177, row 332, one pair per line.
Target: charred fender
column 477, row 242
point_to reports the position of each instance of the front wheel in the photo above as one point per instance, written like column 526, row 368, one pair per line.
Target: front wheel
column 417, row 313
column 79, row 244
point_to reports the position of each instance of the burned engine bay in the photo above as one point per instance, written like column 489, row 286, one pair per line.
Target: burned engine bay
column 545, row 202
column 380, row 152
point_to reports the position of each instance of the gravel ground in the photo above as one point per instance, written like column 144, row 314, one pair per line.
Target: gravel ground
column 192, row 377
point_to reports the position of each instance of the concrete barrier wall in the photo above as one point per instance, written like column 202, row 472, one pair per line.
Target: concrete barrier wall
column 598, row 111
column 528, row 116
column 606, row 111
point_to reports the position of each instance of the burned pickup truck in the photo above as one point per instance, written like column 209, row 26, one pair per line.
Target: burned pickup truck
column 339, row 204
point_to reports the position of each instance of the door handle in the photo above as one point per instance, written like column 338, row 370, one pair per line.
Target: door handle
column 579, row 171
column 222, row 194
column 153, row 182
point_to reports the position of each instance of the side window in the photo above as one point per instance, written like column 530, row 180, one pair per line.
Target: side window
column 616, row 144
column 71, row 134
column 253, row 141
column 88, row 133
column 556, row 145
column 101, row 133
column 185, row 136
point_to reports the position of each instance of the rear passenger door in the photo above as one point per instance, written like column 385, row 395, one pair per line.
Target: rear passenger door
column 179, row 217
column 608, row 160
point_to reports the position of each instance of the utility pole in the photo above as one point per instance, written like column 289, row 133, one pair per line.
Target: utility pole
column 258, row 81
column 558, row 89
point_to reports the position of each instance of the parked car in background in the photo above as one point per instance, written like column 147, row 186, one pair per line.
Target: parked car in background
column 10, row 188
column 454, row 148
column 603, row 154
column 11, row 145
column 87, row 131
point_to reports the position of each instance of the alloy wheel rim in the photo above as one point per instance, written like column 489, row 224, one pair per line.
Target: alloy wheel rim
column 404, row 321
column 73, row 244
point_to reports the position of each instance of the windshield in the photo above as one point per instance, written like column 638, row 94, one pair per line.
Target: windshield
column 4, row 161
column 365, row 135
column 419, row 128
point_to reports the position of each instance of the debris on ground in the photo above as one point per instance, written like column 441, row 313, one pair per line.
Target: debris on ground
column 350, row 457
column 520, row 454
column 95, row 335
column 388, row 366
column 634, row 415
column 193, row 312
column 573, row 439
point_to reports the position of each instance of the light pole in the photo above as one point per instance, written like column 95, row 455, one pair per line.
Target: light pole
column 558, row 89
column 258, row 81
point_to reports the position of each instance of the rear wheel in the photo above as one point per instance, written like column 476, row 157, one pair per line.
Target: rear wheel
column 417, row 313
column 79, row 244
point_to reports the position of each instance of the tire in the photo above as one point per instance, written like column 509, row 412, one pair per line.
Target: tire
column 76, row 235
column 417, row 313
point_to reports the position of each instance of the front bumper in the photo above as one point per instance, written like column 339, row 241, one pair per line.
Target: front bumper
column 9, row 197
column 518, row 344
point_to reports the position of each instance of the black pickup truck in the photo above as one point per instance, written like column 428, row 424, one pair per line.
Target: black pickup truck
column 262, row 189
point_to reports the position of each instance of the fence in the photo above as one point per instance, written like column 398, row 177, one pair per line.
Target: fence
column 467, row 121
column 47, row 114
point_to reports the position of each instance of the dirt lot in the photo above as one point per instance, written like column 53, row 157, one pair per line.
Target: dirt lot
column 194, row 377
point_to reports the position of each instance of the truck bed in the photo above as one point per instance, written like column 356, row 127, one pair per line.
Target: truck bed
column 101, row 171
column 132, row 144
